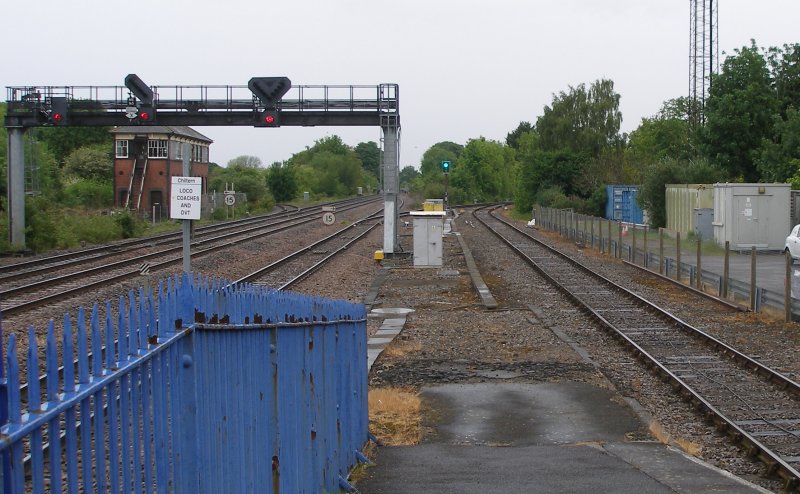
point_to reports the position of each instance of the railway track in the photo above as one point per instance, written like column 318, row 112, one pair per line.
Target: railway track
column 40, row 266
column 290, row 270
column 45, row 284
column 755, row 406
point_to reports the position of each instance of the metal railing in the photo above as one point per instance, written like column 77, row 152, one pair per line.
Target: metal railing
column 206, row 387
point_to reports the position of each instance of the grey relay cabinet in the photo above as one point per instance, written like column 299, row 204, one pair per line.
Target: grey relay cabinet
column 428, row 228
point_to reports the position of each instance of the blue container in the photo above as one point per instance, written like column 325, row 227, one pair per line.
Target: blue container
column 621, row 204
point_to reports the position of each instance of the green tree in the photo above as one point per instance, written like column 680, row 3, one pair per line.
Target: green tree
column 512, row 139
column 547, row 170
column 665, row 135
column 407, row 176
column 431, row 163
column 370, row 155
column 779, row 158
column 739, row 113
column 282, row 181
column 785, row 69
column 90, row 163
column 581, row 120
column 484, row 172
column 62, row 141
column 340, row 175
column 245, row 161
column 329, row 168
column 652, row 194
column 89, row 194
column 251, row 181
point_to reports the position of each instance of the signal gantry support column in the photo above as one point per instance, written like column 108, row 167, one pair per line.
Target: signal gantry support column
column 15, row 182
column 391, row 181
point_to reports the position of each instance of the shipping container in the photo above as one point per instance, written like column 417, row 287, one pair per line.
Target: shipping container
column 621, row 204
column 752, row 215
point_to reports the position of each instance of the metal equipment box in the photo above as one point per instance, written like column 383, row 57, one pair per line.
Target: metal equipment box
column 428, row 227
column 748, row 215
column 704, row 223
column 433, row 205
column 621, row 204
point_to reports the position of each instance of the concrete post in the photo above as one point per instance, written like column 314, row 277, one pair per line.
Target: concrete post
column 787, row 289
column 16, row 187
column 678, row 256
column 726, row 269
column 699, row 276
column 753, row 278
column 391, row 185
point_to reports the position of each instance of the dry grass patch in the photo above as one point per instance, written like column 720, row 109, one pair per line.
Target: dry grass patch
column 394, row 416
column 663, row 436
column 400, row 348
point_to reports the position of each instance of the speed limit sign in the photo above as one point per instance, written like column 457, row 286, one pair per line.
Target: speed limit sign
column 328, row 218
column 230, row 199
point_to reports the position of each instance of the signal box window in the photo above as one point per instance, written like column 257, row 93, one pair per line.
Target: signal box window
column 156, row 148
column 122, row 149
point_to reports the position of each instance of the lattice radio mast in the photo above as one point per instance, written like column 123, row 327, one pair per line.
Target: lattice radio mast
column 703, row 55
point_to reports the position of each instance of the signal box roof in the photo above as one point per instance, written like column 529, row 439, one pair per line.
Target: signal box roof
column 178, row 130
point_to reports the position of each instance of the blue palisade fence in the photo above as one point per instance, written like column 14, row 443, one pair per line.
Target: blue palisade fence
column 206, row 387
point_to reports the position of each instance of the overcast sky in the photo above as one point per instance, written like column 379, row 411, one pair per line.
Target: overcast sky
column 466, row 68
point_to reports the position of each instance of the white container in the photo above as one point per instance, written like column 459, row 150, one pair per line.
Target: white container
column 751, row 215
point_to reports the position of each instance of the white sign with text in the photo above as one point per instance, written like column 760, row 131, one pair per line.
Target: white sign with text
column 185, row 198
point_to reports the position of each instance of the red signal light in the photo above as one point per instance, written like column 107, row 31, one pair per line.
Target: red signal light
column 57, row 117
column 144, row 116
column 269, row 119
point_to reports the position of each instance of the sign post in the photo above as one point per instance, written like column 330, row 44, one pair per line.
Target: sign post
column 185, row 204
column 230, row 201
column 328, row 215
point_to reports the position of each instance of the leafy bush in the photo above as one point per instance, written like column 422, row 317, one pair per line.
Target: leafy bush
column 130, row 226
column 40, row 224
column 89, row 194
column 75, row 229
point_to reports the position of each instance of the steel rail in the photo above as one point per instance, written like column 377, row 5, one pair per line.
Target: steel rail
column 274, row 265
column 14, row 309
column 754, row 448
column 292, row 221
column 99, row 252
column 316, row 266
column 709, row 296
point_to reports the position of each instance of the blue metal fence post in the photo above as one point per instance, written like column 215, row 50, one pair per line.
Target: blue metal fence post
column 186, row 436
column 6, row 458
column 184, row 379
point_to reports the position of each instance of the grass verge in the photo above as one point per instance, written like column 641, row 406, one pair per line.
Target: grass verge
column 663, row 436
column 394, row 416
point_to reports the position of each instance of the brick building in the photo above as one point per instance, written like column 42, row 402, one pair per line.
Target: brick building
column 145, row 159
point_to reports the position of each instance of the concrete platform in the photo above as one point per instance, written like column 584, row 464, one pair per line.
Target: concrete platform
column 394, row 318
column 512, row 437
